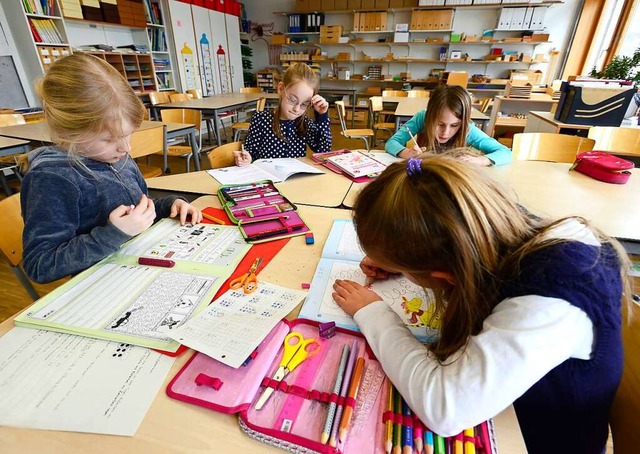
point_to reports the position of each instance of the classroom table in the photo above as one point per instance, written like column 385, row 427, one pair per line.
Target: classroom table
column 326, row 190
column 216, row 104
column 38, row 132
column 8, row 147
column 172, row 426
column 408, row 107
column 548, row 188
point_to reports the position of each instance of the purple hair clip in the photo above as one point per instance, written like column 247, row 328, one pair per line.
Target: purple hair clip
column 414, row 167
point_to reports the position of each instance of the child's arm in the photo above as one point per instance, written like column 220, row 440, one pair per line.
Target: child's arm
column 260, row 127
column 396, row 145
column 319, row 132
column 492, row 149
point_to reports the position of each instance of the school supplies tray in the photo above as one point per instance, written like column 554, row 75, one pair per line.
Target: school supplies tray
column 261, row 212
column 294, row 415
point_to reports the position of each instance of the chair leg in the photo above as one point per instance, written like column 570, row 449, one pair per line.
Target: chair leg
column 366, row 142
column 236, row 135
column 26, row 283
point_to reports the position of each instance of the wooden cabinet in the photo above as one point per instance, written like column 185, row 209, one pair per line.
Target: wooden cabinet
column 136, row 68
column 510, row 114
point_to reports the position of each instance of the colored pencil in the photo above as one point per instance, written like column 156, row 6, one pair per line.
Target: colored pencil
column 388, row 440
column 397, row 427
column 353, row 394
column 417, row 436
column 407, row 430
column 324, row 436
column 439, row 444
column 353, row 356
column 428, row 441
column 469, row 446
column 213, row 219
column 458, row 447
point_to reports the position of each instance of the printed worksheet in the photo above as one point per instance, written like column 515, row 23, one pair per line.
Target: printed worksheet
column 231, row 328
column 57, row 381
column 121, row 300
column 341, row 258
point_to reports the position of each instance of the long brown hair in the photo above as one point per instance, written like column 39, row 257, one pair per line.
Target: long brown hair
column 456, row 99
column 297, row 72
column 450, row 217
column 83, row 96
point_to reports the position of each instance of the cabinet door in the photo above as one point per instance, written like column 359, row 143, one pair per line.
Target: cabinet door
column 185, row 45
column 221, row 52
column 235, row 54
column 205, row 49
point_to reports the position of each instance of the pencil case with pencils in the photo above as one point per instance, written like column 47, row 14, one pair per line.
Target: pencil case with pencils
column 603, row 166
column 323, row 159
column 342, row 381
column 261, row 212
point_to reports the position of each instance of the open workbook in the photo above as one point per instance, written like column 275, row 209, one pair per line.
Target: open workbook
column 340, row 259
column 121, row 300
column 276, row 170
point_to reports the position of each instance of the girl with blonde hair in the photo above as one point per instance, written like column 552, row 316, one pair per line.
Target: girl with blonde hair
column 530, row 308
column 446, row 125
column 84, row 196
column 286, row 132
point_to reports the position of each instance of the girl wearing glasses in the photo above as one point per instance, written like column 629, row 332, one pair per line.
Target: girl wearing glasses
column 286, row 131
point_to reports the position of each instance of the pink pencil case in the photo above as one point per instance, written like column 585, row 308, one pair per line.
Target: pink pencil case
column 261, row 212
column 293, row 417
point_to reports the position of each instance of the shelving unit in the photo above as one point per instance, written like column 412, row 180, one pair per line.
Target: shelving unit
column 161, row 51
column 501, row 124
column 136, row 68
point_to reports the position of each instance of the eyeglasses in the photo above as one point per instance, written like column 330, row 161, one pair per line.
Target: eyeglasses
column 293, row 102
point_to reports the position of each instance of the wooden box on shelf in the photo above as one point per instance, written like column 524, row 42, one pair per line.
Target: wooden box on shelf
column 49, row 54
column 330, row 33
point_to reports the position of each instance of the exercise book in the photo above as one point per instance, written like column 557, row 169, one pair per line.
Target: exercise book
column 276, row 170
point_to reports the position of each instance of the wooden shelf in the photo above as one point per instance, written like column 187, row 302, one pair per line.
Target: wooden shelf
column 419, row 8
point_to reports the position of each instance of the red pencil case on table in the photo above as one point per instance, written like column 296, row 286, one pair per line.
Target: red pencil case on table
column 261, row 212
column 322, row 158
column 293, row 417
column 603, row 166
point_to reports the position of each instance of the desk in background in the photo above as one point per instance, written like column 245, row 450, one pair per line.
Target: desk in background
column 408, row 107
column 8, row 147
column 325, row 190
column 172, row 426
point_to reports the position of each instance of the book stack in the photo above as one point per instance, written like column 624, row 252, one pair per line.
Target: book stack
column 71, row 8
column 522, row 91
column 45, row 31
column 42, row 7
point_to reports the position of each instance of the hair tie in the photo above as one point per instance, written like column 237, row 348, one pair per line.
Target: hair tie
column 414, row 167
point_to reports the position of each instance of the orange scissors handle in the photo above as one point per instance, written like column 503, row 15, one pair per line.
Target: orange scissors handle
column 249, row 280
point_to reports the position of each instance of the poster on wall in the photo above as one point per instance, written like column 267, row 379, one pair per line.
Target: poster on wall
column 189, row 67
column 207, row 62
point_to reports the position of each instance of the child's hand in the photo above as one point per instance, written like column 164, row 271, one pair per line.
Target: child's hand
column 134, row 220
column 184, row 209
column 412, row 152
column 373, row 271
column 320, row 104
column 242, row 157
column 477, row 160
column 352, row 296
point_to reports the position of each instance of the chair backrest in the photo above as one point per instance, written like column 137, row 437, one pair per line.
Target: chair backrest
column 394, row 93
column 180, row 97
column 418, row 94
column 250, row 90
column 616, row 140
column 626, row 404
column 375, row 103
column 10, row 119
column 197, row 94
column 341, row 114
column 544, row 146
column 11, row 229
column 223, row 155
column 261, row 104
column 159, row 97
column 147, row 141
column 187, row 116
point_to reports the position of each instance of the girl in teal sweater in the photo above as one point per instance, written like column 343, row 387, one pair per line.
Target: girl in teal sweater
column 446, row 124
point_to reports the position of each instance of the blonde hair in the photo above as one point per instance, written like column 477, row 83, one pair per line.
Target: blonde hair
column 297, row 72
column 84, row 96
column 456, row 99
column 453, row 218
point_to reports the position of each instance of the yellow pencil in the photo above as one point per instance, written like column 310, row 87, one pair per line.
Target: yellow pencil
column 388, row 440
column 469, row 446
column 211, row 218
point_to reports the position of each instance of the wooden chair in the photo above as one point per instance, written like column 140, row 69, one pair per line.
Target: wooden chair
column 243, row 126
column 394, row 94
column 158, row 97
column 418, row 94
column 363, row 134
column 177, row 97
column 622, row 141
column 144, row 143
column 9, row 162
column 186, row 116
column 623, row 418
column 11, row 229
column 544, row 146
column 208, row 117
column 375, row 112
column 222, row 156
column 251, row 90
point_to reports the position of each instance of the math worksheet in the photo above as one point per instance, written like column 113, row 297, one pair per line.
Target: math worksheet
column 121, row 300
column 341, row 258
column 57, row 381
column 232, row 326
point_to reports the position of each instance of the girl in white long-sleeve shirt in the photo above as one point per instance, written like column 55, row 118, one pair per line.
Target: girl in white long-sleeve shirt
column 530, row 308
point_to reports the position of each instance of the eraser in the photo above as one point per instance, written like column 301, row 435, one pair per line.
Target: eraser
column 305, row 285
column 308, row 237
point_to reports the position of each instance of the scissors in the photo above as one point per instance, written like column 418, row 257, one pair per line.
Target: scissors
column 296, row 350
column 249, row 280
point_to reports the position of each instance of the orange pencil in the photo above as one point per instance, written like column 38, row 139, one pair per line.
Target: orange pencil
column 353, row 394
column 211, row 218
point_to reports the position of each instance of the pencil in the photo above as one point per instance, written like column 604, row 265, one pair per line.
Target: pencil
column 458, row 447
column 397, row 428
column 211, row 218
column 407, row 430
column 388, row 441
column 439, row 444
column 352, row 394
column 428, row 441
column 324, row 436
column 411, row 135
column 353, row 356
column 417, row 436
column 469, row 445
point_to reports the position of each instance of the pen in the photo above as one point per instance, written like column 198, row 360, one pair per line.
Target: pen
column 232, row 189
column 152, row 261
column 211, row 218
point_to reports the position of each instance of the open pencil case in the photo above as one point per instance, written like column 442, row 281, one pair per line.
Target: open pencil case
column 294, row 415
column 323, row 159
column 261, row 212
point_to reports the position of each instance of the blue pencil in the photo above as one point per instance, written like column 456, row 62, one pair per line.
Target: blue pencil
column 407, row 430
column 428, row 441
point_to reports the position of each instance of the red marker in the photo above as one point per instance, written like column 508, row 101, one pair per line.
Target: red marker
column 156, row 262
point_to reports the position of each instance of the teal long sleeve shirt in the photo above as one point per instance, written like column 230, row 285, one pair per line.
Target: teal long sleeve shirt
column 490, row 147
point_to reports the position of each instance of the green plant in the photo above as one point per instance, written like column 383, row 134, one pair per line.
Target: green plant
column 621, row 68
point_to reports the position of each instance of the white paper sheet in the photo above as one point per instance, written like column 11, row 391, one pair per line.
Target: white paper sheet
column 63, row 382
column 231, row 327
